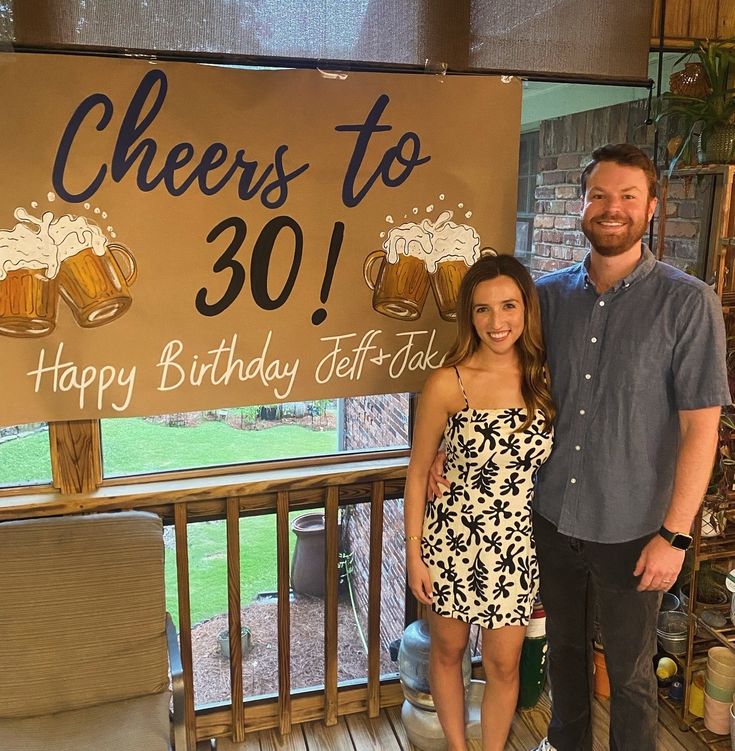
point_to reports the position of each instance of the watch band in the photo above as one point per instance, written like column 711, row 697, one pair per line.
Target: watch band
column 678, row 540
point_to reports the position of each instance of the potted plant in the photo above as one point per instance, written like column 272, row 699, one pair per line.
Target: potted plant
column 703, row 98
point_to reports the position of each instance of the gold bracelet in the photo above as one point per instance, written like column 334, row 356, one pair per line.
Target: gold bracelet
column 411, row 537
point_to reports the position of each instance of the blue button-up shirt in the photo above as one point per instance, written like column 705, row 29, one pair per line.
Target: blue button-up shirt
column 622, row 365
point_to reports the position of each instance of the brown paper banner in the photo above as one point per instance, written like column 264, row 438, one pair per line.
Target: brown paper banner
column 176, row 236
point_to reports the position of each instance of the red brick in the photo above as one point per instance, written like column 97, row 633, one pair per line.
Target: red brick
column 553, row 207
column 547, row 163
column 565, row 222
column 549, row 264
column 552, row 178
column 688, row 209
column 569, row 161
column 566, row 191
column 551, row 236
column 680, row 228
column 576, row 239
column 573, row 207
column 561, row 252
column 679, row 189
column 545, row 191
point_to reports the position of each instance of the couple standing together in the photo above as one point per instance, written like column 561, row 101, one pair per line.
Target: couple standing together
column 630, row 400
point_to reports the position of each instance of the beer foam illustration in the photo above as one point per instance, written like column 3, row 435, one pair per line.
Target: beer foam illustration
column 72, row 235
column 24, row 248
column 433, row 242
column 44, row 243
column 408, row 239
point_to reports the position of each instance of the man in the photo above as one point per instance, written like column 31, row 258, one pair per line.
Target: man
column 636, row 354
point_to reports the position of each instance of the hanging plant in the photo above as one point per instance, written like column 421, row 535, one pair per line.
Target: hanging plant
column 704, row 102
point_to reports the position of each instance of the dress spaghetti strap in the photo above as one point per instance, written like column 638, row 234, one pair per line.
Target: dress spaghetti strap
column 461, row 385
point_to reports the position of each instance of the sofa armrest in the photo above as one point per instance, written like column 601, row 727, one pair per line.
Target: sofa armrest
column 177, row 686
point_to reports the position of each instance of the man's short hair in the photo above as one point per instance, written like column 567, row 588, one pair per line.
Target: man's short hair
column 627, row 155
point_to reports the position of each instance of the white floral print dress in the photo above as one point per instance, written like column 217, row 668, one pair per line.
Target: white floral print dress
column 477, row 537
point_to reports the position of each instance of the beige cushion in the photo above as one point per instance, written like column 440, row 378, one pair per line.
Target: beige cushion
column 82, row 612
column 133, row 725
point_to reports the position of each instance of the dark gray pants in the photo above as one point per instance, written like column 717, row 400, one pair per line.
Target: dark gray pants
column 575, row 574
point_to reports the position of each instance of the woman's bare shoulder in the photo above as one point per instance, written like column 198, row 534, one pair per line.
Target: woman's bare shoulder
column 441, row 378
column 442, row 387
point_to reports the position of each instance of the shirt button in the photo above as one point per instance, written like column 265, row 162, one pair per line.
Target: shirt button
column 577, row 448
column 594, row 340
column 581, row 411
column 573, row 480
column 602, row 303
column 587, row 376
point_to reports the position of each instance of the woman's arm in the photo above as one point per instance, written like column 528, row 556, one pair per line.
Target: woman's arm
column 431, row 419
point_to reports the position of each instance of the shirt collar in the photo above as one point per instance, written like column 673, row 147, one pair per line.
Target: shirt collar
column 642, row 269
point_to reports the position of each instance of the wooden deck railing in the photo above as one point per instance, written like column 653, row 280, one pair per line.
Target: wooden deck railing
column 234, row 498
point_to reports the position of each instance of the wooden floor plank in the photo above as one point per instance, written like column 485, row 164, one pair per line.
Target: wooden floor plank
column 521, row 738
column 372, row 734
column 319, row 737
column 360, row 733
column 272, row 740
column 394, row 716
column 251, row 743
column 600, row 724
column 671, row 737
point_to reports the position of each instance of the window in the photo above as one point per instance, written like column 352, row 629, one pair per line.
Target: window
column 239, row 435
column 527, row 170
column 25, row 457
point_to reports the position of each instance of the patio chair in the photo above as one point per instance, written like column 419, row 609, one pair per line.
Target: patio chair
column 84, row 636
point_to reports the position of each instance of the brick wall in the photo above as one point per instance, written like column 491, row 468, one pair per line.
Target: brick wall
column 369, row 422
column 378, row 421
column 565, row 145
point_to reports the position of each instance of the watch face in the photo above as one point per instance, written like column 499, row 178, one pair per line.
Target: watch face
column 681, row 541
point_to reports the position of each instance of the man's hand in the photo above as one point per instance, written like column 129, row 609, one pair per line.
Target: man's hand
column 658, row 566
column 436, row 476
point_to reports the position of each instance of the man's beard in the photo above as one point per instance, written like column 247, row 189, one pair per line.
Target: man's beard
column 613, row 244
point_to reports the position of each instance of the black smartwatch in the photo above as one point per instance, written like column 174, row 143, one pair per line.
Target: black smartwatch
column 676, row 539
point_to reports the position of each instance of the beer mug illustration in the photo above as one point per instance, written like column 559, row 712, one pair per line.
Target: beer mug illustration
column 67, row 256
column 28, row 287
column 28, row 303
column 446, row 278
column 94, row 285
column 400, row 287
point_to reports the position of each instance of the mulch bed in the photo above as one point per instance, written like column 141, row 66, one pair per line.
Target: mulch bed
column 260, row 667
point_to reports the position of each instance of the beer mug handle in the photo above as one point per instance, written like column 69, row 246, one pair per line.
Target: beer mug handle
column 367, row 268
column 488, row 251
column 132, row 267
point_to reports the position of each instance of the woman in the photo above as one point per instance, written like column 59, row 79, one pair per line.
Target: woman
column 470, row 553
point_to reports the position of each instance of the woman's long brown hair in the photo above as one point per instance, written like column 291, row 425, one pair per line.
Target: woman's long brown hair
column 530, row 345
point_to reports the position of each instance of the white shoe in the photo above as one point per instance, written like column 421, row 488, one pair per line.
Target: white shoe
column 544, row 746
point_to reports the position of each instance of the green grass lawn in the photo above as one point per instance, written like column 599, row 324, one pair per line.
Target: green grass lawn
column 132, row 445
column 26, row 460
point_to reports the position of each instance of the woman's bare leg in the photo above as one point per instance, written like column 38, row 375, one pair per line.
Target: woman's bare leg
column 448, row 643
column 501, row 655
